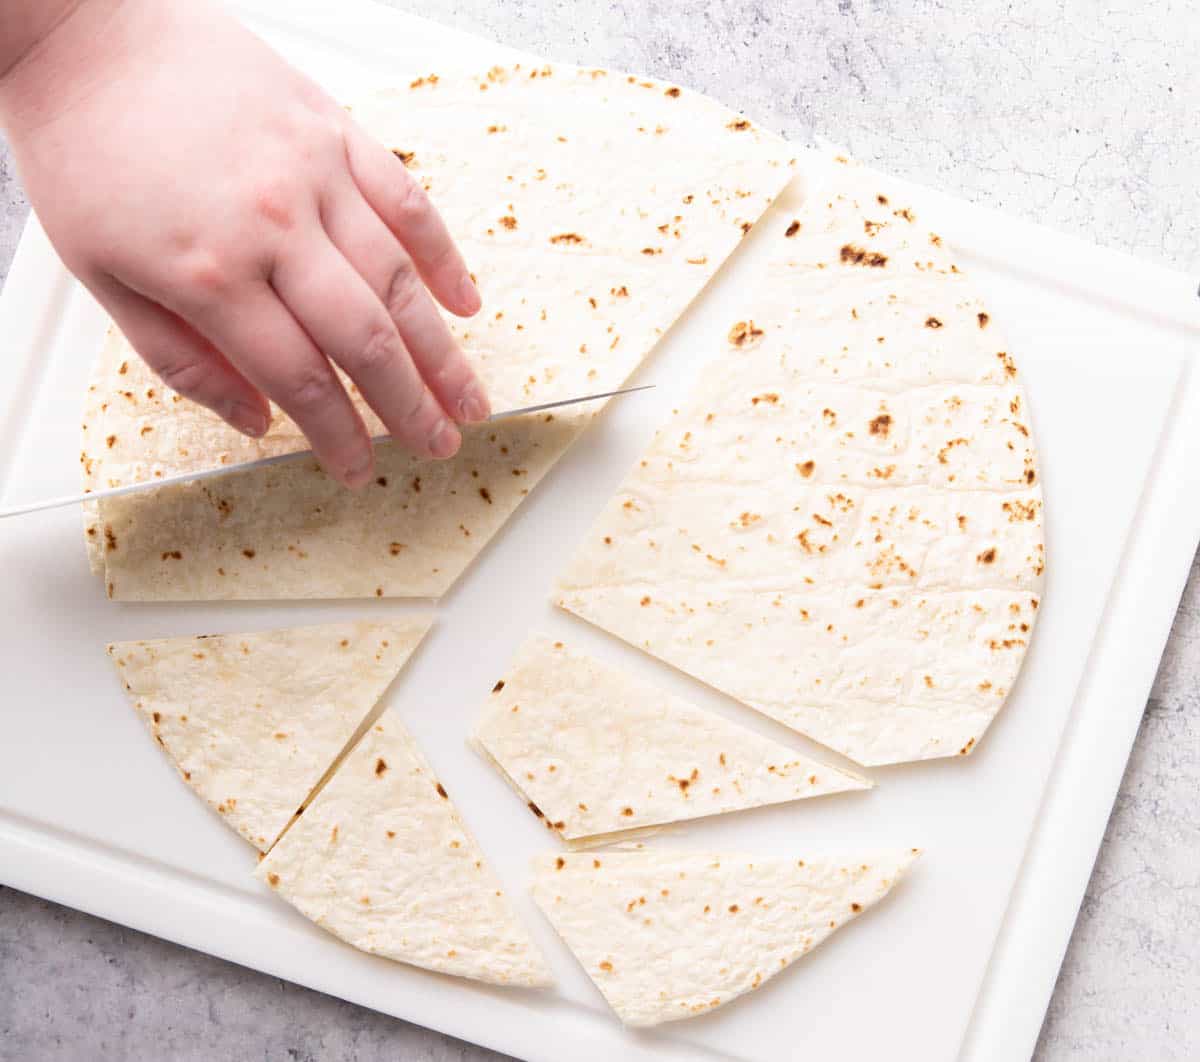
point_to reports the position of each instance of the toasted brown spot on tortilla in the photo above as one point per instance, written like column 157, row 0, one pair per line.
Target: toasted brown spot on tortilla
column 567, row 237
column 606, row 966
column 733, row 908
column 792, row 229
column 536, row 810
column 272, row 880
column 406, row 157
column 248, row 553
column 744, row 333
column 932, row 322
column 881, row 425
column 673, row 92
column 380, row 766
column 856, row 907
column 860, row 256
column 441, row 791
column 738, row 125
column 559, row 863
column 987, row 556
column 499, row 686
column 983, row 319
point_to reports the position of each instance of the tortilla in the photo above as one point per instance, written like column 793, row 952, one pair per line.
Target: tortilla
column 670, row 934
column 595, row 751
column 592, row 209
column 253, row 721
column 381, row 859
column 846, row 515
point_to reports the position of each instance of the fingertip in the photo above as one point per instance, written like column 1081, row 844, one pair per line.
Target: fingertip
column 469, row 301
column 360, row 474
column 249, row 419
column 445, row 440
column 473, row 405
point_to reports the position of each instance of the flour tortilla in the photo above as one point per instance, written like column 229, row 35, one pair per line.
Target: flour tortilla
column 253, row 721
column 381, row 859
column 846, row 515
column 591, row 207
column 595, row 751
column 670, row 934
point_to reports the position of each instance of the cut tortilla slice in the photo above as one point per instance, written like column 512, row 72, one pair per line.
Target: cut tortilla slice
column 668, row 935
column 592, row 208
column 253, row 721
column 842, row 527
column 382, row 860
column 595, row 751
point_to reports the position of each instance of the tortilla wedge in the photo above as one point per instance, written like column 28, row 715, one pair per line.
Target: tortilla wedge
column 253, row 721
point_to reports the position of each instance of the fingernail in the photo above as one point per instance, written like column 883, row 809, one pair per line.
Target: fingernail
column 469, row 294
column 473, row 406
column 445, row 440
column 249, row 420
column 358, row 475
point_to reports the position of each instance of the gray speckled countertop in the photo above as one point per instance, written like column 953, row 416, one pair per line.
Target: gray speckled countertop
column 1080, row 114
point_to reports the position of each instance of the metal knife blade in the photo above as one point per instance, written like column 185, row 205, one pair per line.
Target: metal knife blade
column 224, row 470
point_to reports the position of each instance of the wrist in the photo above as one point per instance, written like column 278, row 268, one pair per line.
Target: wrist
column 53, row 52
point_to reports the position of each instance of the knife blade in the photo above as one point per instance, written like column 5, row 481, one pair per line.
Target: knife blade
column 264, row 462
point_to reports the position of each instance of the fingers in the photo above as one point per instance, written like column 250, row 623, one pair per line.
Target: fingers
column 401, row 203
column 335, row 305
column 374, row 253
column 274, row 353
column 185, row 361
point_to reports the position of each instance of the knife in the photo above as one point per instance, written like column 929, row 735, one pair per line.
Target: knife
column 224, row 470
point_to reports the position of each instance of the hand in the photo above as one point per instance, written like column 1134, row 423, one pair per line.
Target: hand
column 242, row 231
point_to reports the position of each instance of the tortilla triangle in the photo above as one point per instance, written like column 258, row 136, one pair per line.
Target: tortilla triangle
column 381, row 859
column 668, row 935
column 253, row 721
column 596, row 751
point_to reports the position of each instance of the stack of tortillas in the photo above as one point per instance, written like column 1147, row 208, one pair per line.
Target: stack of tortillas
column 591, row 207
column 841, row 528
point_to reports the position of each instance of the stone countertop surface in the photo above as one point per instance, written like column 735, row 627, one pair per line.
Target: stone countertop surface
column 1078, row 114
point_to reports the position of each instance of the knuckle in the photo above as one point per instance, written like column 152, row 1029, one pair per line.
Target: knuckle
column 379, row 350
column 206, row 275
column 275, row 202
column 409, row 202
column 404, row 291
column 310, row 389
column 186, row 376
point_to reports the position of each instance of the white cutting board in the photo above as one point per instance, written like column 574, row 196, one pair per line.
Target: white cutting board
column 91, row 814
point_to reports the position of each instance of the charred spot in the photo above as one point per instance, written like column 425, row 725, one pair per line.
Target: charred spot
column 407, row 157
column 485, row 495
column 172, row 554
column 110, row 539
column 932, row 322
column 380, row 766
column 738, row 125
column 733, row 908
column 627, row 812
column 805, row 468
column 111, row 441
column 508, row 222
column 381, row 480
column 673, row 92
column 272, row 880
column 248, row 554
column 566, row 237
column 792, row 229
column 498, row 687
column 881, row 425
column 559, row 863
column 536, row 810
column 988, row 556
column 744, row 333
column 983, row 319
column 441, row 791
column 856, row 907
column 860, row 256
column 882, row 200
column 771, row 398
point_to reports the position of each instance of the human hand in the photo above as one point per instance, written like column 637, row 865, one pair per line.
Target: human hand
column 242, row 231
